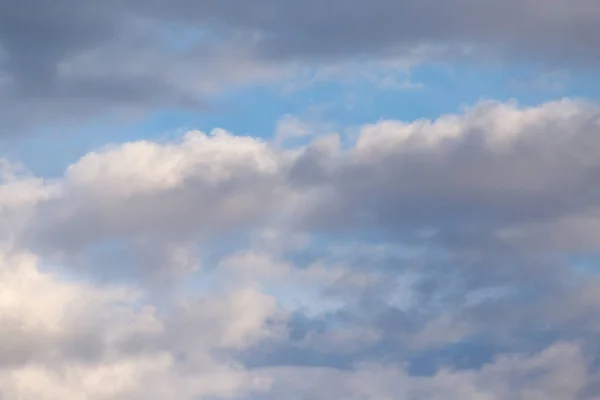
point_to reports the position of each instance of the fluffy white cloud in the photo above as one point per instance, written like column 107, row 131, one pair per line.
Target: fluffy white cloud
column 153, row 193
column 71, row 340
column 143, row 166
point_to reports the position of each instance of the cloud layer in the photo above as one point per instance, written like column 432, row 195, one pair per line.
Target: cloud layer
column 69, row 61
column 450, row 258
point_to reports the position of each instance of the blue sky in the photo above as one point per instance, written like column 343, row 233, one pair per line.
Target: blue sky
column 443, row 88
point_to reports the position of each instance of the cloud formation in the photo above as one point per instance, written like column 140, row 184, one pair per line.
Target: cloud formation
column 449, row 258
column 70, row 61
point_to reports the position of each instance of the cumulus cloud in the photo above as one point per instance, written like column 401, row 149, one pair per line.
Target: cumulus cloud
column 497, row 178
column 204, row 186
column 497, row 175
column 425, row 259
column 496, row 166
column 70, row 340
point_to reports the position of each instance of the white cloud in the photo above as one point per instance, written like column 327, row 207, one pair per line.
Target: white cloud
column 191, row 190
column 68, row 340
column 147, row 166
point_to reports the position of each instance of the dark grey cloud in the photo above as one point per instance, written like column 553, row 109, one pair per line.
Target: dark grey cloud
column 560, row 31
column 68, row 61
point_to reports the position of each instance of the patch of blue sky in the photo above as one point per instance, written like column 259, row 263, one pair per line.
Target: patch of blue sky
column 585, row 264
column 255, row 110
column 469, row 354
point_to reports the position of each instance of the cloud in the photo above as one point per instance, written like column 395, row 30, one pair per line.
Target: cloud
column 497, row 176
column 205, row 186
column 19, row 195
column 291, row 127
column 497, row 166
column 451, row 258
column 71, row 340
column 439, row 254
column 72, row 63
column 496, row 179
column 74, row 338
column 556, row 373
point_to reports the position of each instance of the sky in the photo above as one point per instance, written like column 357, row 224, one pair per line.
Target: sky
column 300, row 200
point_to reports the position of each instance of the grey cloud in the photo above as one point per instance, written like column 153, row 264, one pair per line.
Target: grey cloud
column 557, row 372
column 67, row 62
column 476, row 178
column 264, row 38
column 496, row 201
column 560, row 31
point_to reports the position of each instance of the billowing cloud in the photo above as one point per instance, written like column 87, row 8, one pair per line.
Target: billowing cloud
column 489, row 171
column 68, row 340
column 448, row 258
column 155, row 194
